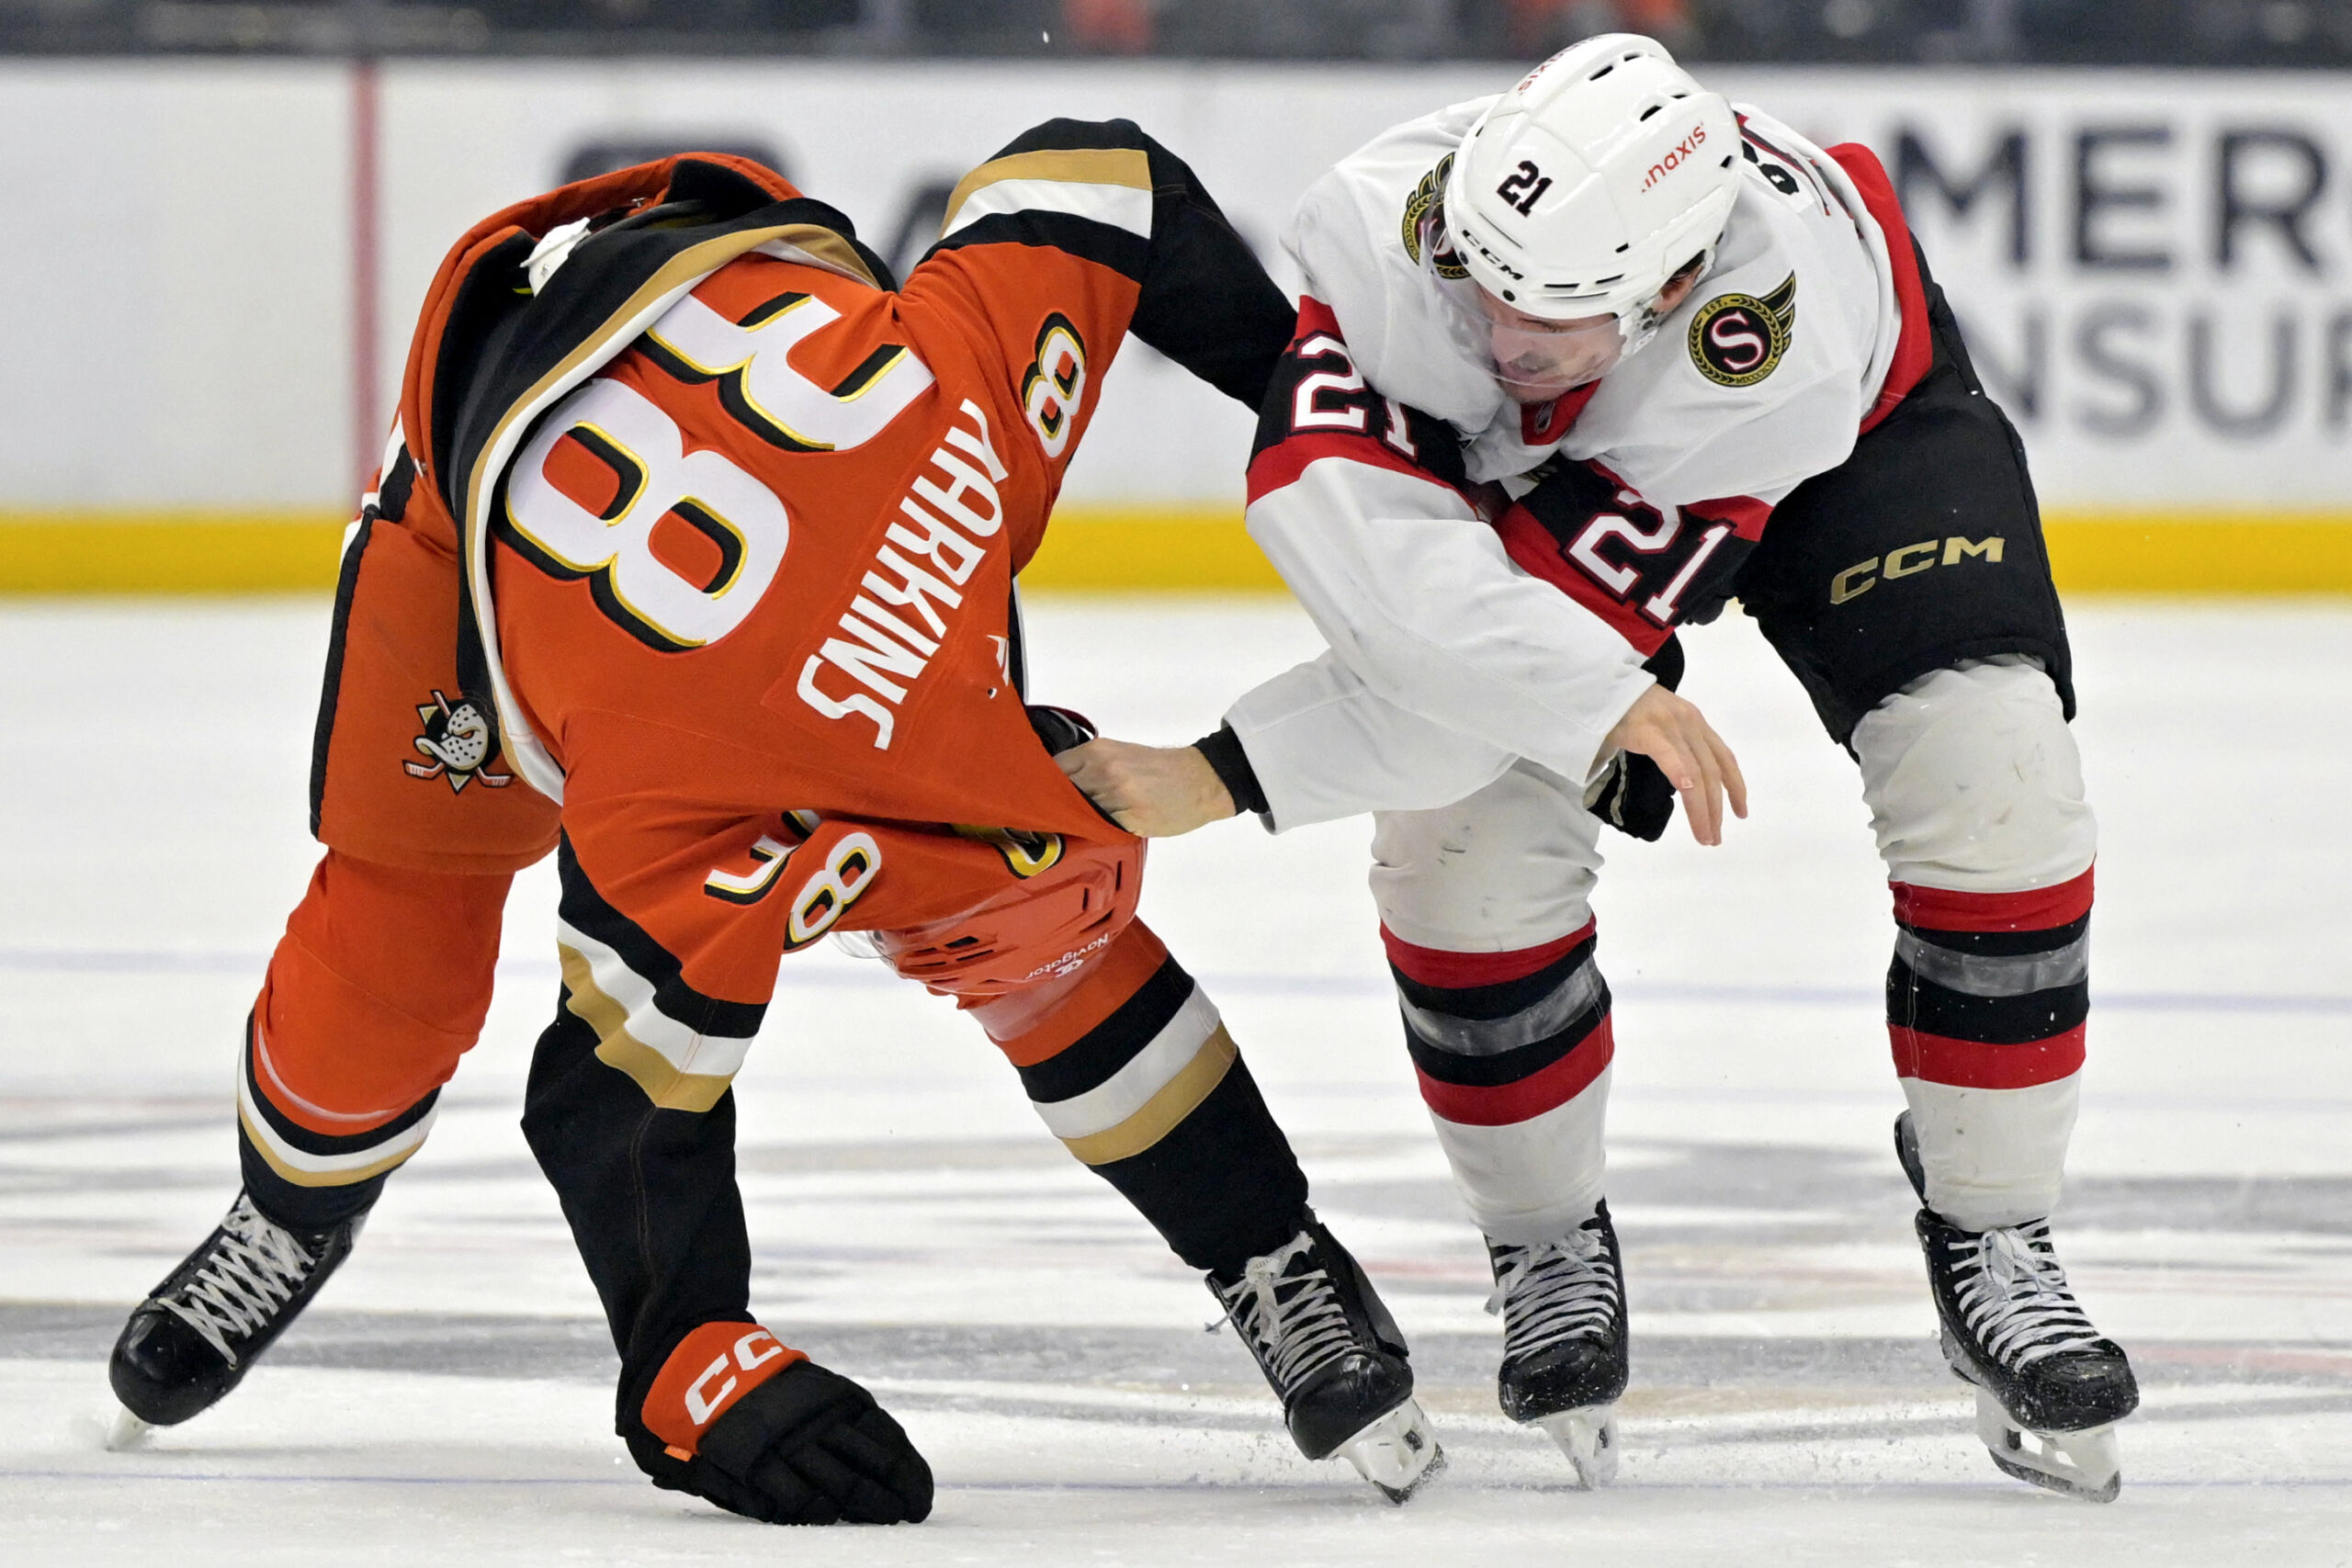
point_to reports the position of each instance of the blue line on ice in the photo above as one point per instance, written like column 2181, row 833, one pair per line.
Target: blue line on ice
column 199, row 960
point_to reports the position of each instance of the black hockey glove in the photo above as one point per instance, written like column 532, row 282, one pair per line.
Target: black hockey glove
column 1060, row 728
column 1632, row 794
column 1633, row 797
column 809, row 1447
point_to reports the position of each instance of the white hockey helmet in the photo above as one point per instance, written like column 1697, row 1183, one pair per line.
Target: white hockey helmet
column 1584, row 189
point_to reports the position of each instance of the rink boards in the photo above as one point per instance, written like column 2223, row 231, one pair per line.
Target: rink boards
column 2150, row 267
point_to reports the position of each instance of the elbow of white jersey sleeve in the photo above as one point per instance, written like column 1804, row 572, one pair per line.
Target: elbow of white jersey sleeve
column 1419, row 602
column 1325, row 745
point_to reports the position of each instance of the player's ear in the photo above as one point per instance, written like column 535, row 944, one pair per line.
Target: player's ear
column 1677, row 287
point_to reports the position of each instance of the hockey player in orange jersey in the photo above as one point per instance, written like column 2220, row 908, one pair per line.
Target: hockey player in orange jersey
column 691, row 561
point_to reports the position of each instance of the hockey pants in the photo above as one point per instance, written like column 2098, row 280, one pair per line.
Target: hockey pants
column 384, row 977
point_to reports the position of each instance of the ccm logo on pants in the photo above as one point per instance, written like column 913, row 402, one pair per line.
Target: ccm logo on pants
column 1909, row 561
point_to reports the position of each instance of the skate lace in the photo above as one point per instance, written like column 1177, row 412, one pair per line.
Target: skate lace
column 1297, row 1318
column 255, row 1268
column 1553, row 1292
column 2013, row 1295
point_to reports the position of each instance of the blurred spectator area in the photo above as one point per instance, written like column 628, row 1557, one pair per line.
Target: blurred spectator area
column 2122, row 32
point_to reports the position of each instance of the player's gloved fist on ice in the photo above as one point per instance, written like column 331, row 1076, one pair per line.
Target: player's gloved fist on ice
column 736, row 1418
column 809, row 1447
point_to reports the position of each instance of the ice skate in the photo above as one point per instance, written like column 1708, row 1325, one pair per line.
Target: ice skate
column 1333, row 1355
column 2049, row 1387
column 1563, row 1306
column 198, row 1333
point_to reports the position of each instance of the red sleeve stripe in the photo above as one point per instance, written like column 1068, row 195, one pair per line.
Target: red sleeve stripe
column 1915, row 349
column 1314, row 316
column 2040, row 908
column 1509, row 1104
column 1531, row 544
column 1279, row 466
column 1745, row 514
column 1970, row 1064
column 1459, row 971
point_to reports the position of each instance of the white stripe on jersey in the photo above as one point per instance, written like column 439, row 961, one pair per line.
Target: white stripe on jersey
column 1130, row 1088
column 1121, row 207
column 296, row 1163
column 686, row 1051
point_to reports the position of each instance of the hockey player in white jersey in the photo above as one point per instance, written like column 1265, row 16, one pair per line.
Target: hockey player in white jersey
column 1577, row 365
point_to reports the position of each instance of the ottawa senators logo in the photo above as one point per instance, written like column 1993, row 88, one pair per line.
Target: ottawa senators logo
column 458, row 743
column 1424, row 217
column 1736, row 340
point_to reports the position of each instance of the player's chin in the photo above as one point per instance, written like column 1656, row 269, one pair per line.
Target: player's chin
column 1530, row 392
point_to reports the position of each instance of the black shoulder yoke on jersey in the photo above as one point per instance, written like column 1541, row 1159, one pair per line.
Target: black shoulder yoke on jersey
column 500, row 341
column 488, row 346
column 1206, row 302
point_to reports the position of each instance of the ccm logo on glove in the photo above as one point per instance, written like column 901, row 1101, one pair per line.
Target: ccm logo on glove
column 710, row 1369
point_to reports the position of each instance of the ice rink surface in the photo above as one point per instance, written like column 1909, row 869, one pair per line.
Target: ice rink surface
column 449, row 1399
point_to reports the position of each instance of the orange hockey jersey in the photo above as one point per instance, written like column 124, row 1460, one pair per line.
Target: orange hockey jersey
column 737, row 522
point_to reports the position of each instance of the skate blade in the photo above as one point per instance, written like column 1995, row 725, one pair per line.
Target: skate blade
column 2078, row 1464
column 1396, row 1453
column 1589, row 1437
column 126, row 1432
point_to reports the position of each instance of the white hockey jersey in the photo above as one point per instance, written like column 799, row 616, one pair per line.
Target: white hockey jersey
column 1466, row 634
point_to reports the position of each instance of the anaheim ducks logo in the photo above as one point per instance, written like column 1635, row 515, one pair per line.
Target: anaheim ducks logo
column 1025, row 854
column 1423, row 215
column 1736, row 340
column 458, row 741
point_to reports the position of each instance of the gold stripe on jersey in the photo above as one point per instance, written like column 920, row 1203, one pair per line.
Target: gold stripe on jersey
column 826, row 249
column 1129, row 166
column 667, row 1085
column 1159, row 1116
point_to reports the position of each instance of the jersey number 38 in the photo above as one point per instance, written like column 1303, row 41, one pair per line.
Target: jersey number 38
column 679, row 547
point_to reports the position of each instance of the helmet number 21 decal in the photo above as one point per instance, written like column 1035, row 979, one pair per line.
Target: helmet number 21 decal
column 1524, row 187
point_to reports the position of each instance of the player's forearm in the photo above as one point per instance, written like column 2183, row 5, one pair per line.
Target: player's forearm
column 1320, row 745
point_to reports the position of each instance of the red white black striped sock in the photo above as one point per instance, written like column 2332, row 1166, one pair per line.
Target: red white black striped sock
column 1986, row 1003
column 1512, row 1052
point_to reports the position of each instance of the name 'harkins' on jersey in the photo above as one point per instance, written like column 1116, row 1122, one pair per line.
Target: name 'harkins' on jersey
column 890, row 652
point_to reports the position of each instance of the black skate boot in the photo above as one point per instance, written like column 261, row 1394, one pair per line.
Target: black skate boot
column 1333, row 1355
column 2010, row 1326
column 1563, row 1305
column 198, row 1333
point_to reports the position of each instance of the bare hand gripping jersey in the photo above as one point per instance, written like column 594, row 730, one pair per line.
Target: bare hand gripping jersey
column 1471, row 626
